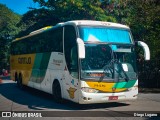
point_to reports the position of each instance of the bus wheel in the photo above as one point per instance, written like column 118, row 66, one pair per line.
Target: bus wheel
column 19, row 82
column 57, row 92
column 16, row 77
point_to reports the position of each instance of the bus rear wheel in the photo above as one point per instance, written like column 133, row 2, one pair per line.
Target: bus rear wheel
column 19, row 82
column 57, row 92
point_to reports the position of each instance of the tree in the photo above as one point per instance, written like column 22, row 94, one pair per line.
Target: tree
column 8, row 21
column 143, row 18
column 36, row 19
column 52, row 12
column 67, row 10
column 8, row 29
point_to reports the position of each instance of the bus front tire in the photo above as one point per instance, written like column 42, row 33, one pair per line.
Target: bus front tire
column 57, row 92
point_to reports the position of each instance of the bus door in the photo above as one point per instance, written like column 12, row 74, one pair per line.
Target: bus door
column 71, row 69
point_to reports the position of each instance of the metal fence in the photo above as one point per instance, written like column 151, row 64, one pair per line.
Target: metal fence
column 149, row 74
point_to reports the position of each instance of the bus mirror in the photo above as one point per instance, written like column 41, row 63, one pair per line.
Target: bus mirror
column 145, row 48
column 81, row 48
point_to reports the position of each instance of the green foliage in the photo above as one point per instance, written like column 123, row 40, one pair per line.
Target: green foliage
column 8, row 29
column 145, row 24
column 143, row 17
column 8, row 21
column 53, row 12
column 36, row 19
column 3, row 53
column 67, row 10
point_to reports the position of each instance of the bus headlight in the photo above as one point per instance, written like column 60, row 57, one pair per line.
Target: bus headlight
column 89, row 90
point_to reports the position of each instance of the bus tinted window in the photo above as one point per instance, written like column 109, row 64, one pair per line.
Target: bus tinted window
column 47, row 41
column 54, row 40
column 105, row 34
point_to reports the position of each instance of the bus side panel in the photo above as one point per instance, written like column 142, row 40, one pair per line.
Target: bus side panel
column 39, row 69
column 71, row 84
column 57, row 70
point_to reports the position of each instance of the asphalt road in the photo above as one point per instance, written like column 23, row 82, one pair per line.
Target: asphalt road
column 31, row 100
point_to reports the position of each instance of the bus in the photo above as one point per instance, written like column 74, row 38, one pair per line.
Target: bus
column 83, row 61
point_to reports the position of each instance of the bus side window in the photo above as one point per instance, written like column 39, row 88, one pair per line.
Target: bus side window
column 74, row 58
column 74, row 62
column 54, row 40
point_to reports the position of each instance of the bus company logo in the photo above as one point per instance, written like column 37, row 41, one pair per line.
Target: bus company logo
column 71, row 92
column 24, row 60
column 57, row 62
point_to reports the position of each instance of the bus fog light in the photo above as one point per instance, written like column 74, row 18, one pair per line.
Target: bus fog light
column 89, row 98
column 84, row 98
column 89, row 90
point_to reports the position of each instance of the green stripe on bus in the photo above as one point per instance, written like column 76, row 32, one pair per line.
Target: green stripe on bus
column 37, row 61
column 125, row 84
column 45, row 61
column 130, row 83
column 40, row 67
column 119, row 85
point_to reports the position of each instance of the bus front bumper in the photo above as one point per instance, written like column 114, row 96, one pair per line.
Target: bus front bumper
column 87, row 98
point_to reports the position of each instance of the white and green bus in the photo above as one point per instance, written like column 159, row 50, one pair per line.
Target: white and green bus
column 82, row 61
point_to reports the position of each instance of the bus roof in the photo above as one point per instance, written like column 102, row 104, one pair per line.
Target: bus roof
column 94, row 23
column 34, row 33
column 76, row 23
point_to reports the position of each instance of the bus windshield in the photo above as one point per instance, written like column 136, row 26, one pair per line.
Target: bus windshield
column 109, row 62
column 104, row 34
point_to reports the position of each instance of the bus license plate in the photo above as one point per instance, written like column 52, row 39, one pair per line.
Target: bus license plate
column 113, row 98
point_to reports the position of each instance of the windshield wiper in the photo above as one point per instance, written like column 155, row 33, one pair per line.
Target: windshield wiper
column 110, row 68
column 119, row 72
column 105, row 71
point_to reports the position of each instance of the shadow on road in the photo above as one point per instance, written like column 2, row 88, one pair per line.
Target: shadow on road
column 38, row 100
